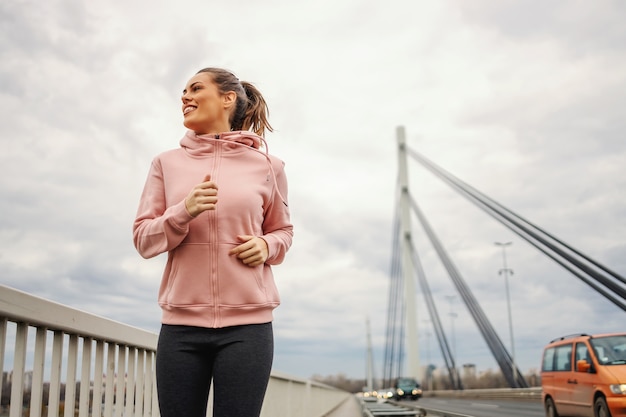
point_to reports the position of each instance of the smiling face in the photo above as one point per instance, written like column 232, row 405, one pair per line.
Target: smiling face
column 205, row 108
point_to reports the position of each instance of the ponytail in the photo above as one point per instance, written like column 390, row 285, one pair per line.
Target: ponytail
column 256, row 113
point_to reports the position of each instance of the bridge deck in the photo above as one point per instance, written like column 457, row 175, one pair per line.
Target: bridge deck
column 349, row 408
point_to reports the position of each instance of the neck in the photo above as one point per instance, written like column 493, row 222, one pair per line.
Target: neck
column 213, row 129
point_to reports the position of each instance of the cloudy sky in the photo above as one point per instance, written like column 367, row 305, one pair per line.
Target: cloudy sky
column 524, row 100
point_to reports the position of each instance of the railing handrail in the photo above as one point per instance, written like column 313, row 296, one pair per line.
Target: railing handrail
column 533, row 393
column 22, row 307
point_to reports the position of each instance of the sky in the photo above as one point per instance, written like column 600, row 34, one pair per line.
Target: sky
column 524, row 100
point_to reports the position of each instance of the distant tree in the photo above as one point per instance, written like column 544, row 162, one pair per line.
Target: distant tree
column 533, row 377
column 6, row 393
column 341, row 381
column 26, row 397
column 488, row 379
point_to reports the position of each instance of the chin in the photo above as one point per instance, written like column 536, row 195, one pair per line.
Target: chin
column 190, row 125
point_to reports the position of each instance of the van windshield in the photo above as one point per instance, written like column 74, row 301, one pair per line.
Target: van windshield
column 610, row 350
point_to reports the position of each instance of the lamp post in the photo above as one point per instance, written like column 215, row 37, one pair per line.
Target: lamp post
column 428, row 334
column 506, row 271
column 452, row 315
column 429, row 376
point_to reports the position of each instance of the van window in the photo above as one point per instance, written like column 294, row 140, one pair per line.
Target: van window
column 563, row 358
column 582, row 353
column 548, row 360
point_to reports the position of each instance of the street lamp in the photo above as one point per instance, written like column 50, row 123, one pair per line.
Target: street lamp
column 429, row 376
column 452, row 315
column 428, row 334
column 506, row 271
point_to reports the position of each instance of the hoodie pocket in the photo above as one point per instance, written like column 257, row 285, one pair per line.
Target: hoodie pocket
column 187, row 279
column 238, row 284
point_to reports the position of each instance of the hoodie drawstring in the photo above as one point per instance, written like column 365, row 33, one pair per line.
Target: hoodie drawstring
column 217, row 138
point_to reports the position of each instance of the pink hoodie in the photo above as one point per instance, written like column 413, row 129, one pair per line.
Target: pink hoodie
column 202, row 285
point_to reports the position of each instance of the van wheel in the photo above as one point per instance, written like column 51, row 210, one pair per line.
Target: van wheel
column 600, row 409
column 550, row 408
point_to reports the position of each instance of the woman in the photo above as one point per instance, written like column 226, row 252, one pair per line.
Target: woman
column 218, row 206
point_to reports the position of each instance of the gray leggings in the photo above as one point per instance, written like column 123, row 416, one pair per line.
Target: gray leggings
column 238, row 359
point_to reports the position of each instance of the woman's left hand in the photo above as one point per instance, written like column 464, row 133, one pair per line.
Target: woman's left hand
column 252, row 252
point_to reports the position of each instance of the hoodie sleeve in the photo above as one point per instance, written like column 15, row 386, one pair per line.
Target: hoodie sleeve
column 277, row 227
column 158, row 228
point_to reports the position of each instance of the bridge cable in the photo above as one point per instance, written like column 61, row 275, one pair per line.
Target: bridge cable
column 473, row 192
column 393, row 346
column 494, row 343
column 455, row 380
column 532, row 234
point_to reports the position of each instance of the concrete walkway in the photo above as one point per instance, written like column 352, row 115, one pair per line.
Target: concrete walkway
column 349, row 408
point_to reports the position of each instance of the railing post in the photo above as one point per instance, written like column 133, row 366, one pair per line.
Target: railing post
column 36, row 392
column 70, row 385
column 120, row 386
column 85, row 378
column 109, row 387
column 97, row 379
column 130, row 381
column 17, row 379
column 55, row 374
column 139, row 382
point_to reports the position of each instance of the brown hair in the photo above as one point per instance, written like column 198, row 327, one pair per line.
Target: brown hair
column 251, row 111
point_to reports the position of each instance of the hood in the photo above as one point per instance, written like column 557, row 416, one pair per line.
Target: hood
column 616, row 371
column 205, row 144
column 199, row 145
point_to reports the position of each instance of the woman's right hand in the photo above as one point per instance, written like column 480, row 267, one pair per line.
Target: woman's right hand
column 202, row 197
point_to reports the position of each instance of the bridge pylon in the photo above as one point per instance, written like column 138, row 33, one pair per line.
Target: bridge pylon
column 408, row 274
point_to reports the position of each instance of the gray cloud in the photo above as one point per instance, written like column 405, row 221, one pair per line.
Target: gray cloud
column 521, row 100
column 581, row 27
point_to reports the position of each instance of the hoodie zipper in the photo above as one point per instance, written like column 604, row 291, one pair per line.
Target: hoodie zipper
column 214, row 246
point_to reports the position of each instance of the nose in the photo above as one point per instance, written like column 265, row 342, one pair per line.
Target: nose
column 184, row 98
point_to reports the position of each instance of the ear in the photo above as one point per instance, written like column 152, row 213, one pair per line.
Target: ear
column 229, row 99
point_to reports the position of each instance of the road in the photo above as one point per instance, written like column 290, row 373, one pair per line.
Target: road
column 473, row 407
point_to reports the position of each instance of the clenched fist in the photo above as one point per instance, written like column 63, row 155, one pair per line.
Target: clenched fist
column 202, row 197
column 252, row 252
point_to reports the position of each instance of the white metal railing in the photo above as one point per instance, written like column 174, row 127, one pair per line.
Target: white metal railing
column 65, row 347
column 532, row 393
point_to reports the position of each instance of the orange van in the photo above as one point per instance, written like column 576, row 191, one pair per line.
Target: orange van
column 584, row 375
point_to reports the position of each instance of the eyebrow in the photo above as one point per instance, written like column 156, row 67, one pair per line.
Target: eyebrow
column 197, row 82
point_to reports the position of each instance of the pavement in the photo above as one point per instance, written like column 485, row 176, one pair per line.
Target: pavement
column 349, row 408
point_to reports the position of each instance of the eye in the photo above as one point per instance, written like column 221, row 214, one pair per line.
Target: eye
column 196, row 88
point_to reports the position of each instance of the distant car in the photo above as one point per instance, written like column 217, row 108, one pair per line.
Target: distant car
column 407, row 388
column 584, row 375
column 386, row 393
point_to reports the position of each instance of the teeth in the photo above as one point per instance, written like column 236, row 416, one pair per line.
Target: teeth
column 188, row 109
